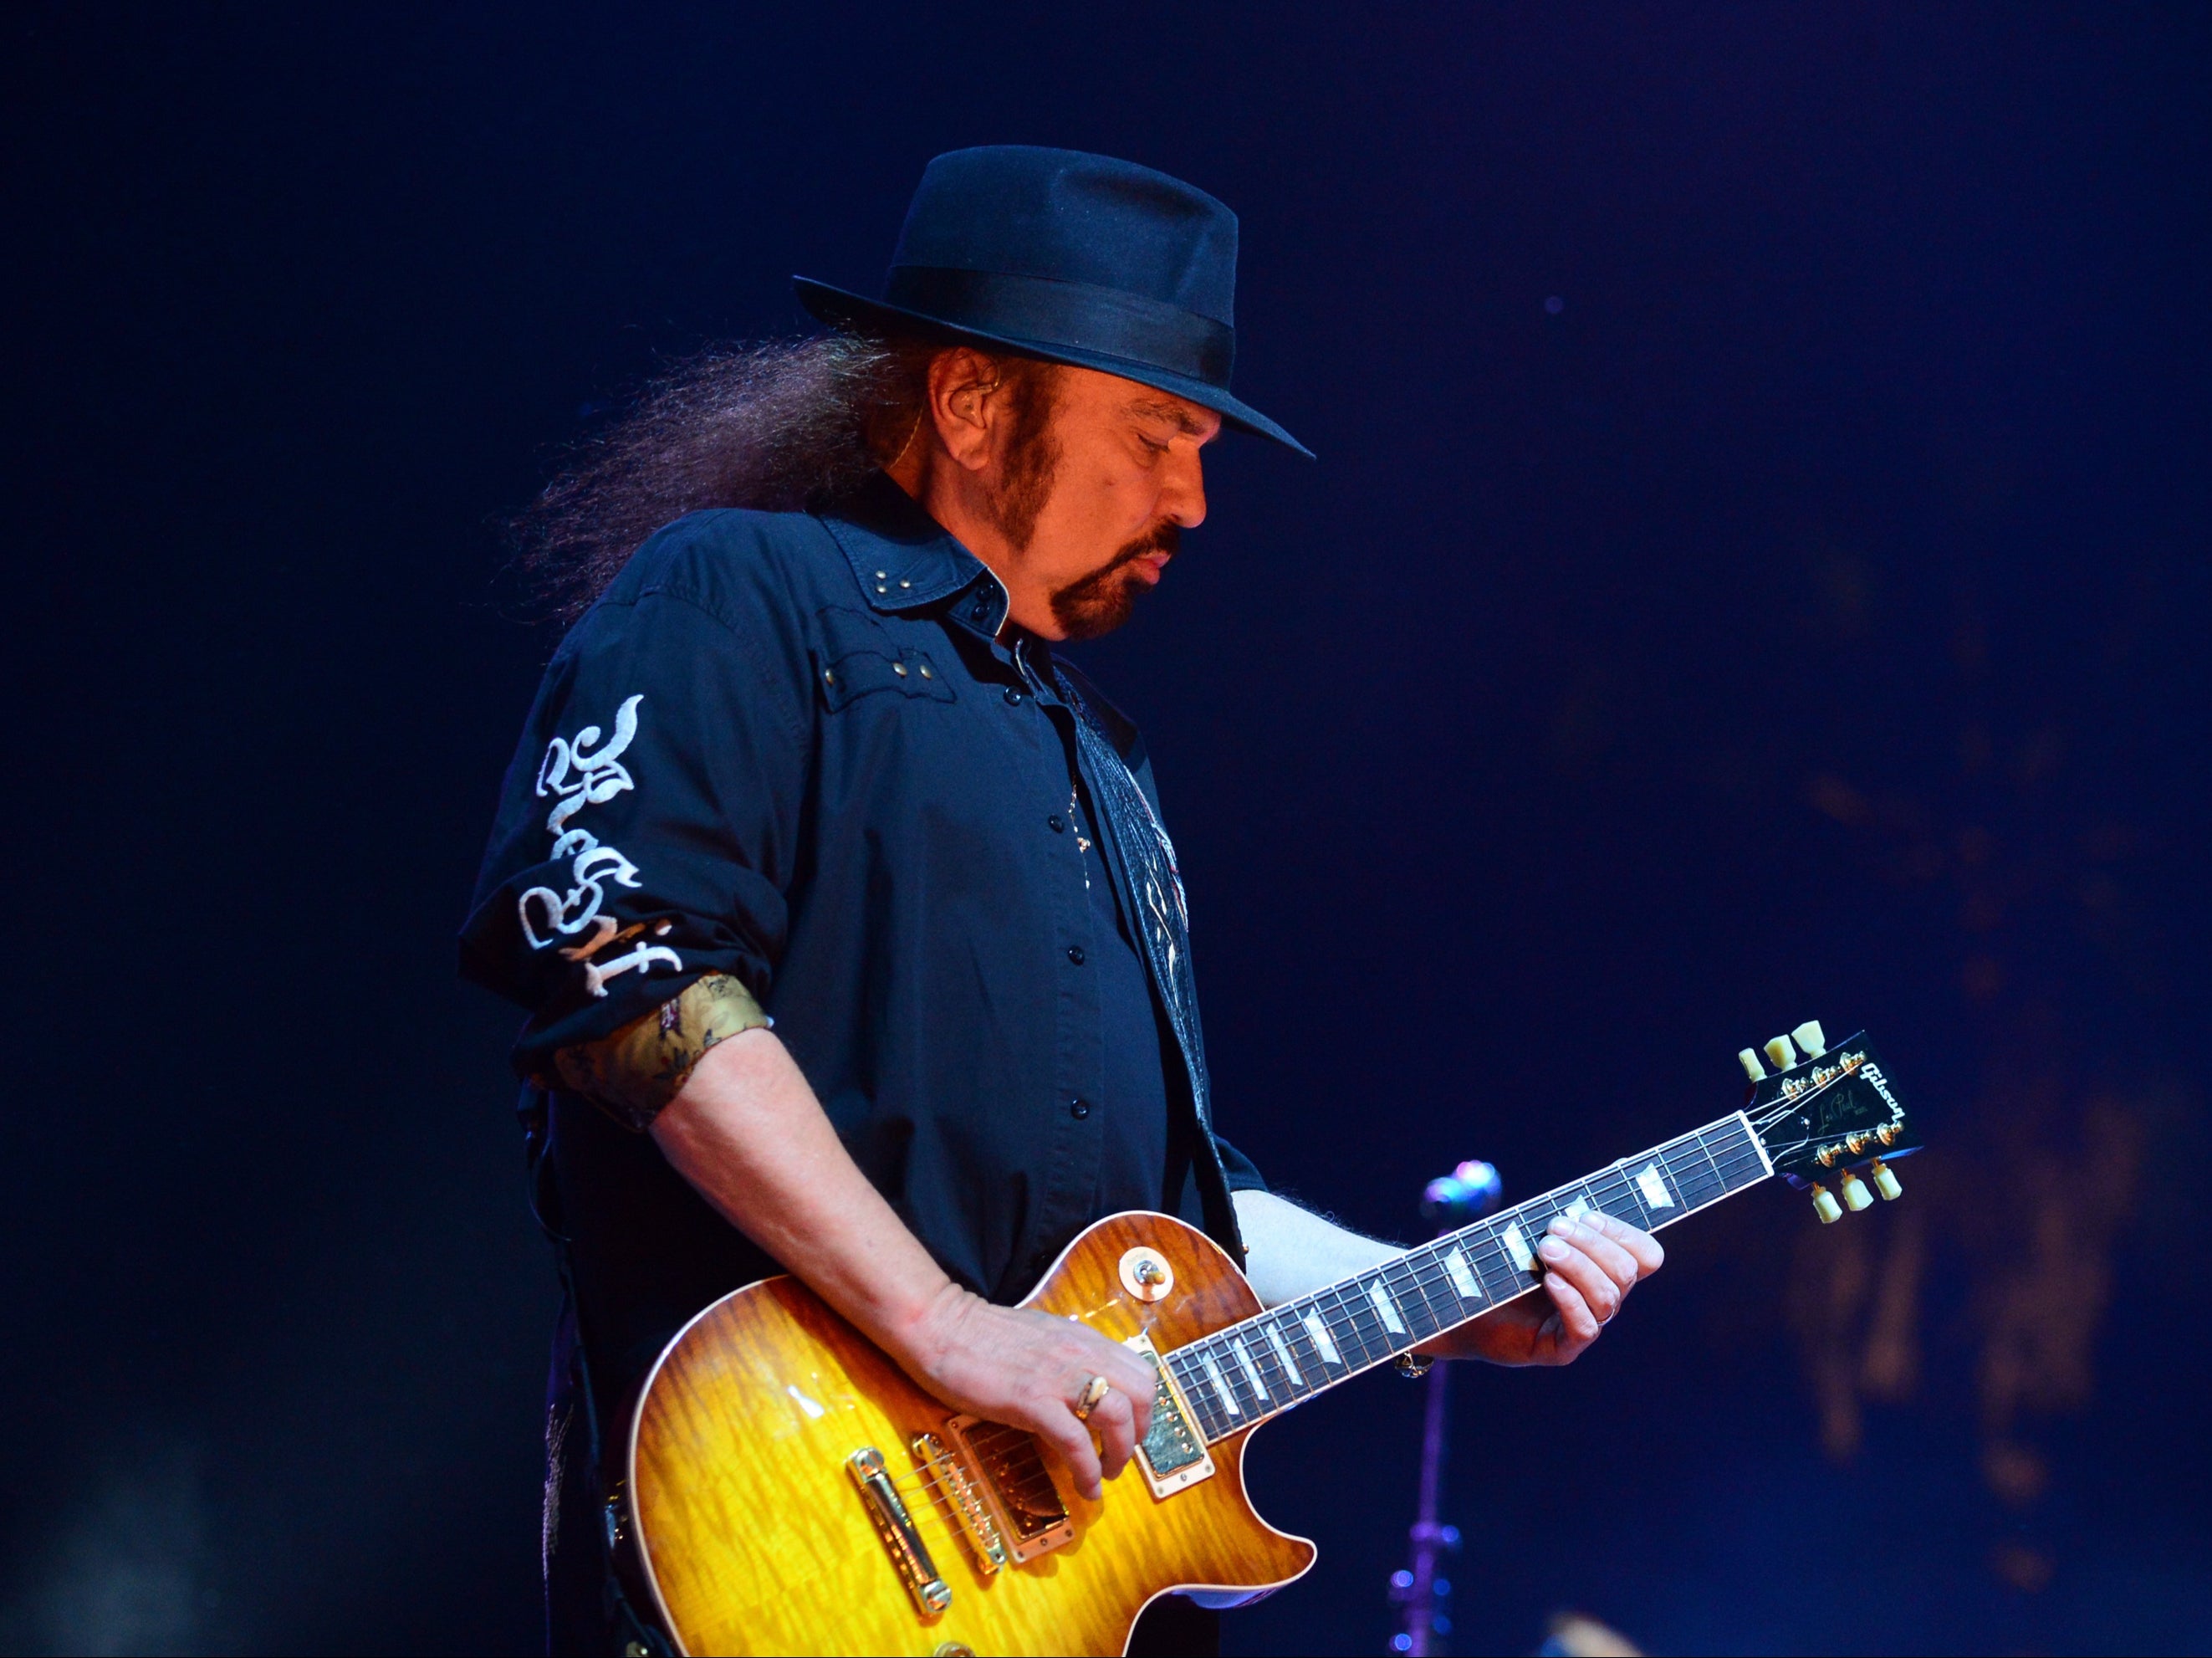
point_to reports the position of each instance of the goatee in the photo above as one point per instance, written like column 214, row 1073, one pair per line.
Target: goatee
column 1103, row 600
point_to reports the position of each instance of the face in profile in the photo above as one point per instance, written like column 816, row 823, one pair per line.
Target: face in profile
column 1103, row 493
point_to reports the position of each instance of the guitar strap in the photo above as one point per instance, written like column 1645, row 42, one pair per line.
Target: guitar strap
column 589, row 1576
column 1150, row 883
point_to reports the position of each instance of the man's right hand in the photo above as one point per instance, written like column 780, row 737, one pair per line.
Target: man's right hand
column 1029, row 1369
column 748, row 1134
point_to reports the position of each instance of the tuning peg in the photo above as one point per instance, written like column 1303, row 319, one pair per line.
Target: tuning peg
column 1749, row 1060
column 1782, row 1053
column 1825, row 1205
column 1855, row 1192
column 1885, row 1181
column 1812, row 1039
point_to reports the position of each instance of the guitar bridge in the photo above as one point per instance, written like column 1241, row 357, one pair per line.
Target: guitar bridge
column 1032, row 1519
column 959, row 1494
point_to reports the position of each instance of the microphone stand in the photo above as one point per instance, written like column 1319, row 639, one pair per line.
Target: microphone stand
column 1454, row 1200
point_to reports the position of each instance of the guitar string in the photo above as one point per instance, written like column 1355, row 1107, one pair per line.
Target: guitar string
column 1490, row 1253
column 1426, row 1263
column 1423, row 1268
column 932, row 1489
column 1419, row 1271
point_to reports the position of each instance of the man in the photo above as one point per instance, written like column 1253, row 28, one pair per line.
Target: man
column 822, row 762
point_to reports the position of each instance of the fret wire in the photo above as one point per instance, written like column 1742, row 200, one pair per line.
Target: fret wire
column 1728, row 1139
column 1350, row 1316
column 1440, row 1297
column 1706, row 1153
column 1359, row 1313
column 1387, row 1278
column 1301, row 1343
column 1232, row 1376
column 1418, row 1310
column 1736, row 1162
column 1202, row 1404
column 1677, row 1158
column 1453, row 1305
column 1617, row 1192
column 1263, row 1358
column 1352, row 1299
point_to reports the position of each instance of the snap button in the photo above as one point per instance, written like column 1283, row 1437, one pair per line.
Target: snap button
column 1014, row 697
column 899, row 668
column 1058, row 827
column 1075, row 954
column 1078, row 1109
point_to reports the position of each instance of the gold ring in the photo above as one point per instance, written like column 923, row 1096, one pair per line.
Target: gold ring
column 1093, row 1391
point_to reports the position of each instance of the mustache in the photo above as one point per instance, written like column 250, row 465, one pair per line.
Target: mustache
column 1161, row 537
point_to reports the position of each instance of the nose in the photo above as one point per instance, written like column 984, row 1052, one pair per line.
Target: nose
column 1182, row 493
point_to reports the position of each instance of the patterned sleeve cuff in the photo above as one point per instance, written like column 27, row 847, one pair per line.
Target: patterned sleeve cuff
column 634, row 1073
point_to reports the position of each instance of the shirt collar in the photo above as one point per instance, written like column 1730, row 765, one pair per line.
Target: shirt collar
column 904, row 559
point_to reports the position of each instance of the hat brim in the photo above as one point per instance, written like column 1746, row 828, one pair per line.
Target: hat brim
column 855, row 314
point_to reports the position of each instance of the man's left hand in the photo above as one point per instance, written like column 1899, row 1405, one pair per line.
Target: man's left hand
column 1590, row 1266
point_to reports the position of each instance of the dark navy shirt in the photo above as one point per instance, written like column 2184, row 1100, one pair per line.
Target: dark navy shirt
column 796, row 749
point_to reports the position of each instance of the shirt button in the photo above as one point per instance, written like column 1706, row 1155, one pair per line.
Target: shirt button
column 1078, row 1109
column 1013, row 696
column 1075, row 954
column 1058, row 827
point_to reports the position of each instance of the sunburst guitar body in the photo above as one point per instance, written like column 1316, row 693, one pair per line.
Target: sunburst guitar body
column 765, row 1528
column 791, row 1491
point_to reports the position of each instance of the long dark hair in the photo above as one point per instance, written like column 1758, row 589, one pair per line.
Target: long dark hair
column 784, row 426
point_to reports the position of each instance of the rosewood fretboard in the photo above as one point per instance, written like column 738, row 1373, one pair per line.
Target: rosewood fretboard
column 1249, row 1371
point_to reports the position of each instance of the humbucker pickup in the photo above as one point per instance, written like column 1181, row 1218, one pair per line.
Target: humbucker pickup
column 1032, row 1518
column 1171, row 1453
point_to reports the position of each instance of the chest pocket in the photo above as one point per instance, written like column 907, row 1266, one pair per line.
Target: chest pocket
column 856, row 655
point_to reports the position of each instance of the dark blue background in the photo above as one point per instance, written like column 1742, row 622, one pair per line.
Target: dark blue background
column 1801, row 616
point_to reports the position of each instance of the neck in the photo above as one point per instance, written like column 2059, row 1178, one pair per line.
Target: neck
column 1251, row 1371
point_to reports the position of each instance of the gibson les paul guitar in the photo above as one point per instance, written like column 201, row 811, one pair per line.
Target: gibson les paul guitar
column 792, row 1491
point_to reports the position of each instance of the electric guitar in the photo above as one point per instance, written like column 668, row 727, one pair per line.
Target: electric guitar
column 792, row 1491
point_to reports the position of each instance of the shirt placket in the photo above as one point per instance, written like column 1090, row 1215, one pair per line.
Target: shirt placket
column 1073, row 1109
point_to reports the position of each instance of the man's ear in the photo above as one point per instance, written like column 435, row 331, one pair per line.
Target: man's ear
column 963, row 404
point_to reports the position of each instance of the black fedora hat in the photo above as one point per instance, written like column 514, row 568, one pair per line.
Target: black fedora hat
column 1071, row 257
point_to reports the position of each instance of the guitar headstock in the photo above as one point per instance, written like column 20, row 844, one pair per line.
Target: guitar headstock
column 1827, row 1115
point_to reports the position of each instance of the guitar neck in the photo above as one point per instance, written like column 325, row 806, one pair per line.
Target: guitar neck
column 1248, row 1372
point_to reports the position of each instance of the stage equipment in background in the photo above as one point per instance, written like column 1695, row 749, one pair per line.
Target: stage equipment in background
column 791, row 1491
column 1453, row 1201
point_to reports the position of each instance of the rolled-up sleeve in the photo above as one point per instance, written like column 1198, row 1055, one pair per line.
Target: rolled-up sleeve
column 649, row 819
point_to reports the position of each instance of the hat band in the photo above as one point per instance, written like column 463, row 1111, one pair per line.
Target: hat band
column 1069, row 316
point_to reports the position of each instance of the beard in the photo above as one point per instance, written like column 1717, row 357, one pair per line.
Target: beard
column 1103, row 600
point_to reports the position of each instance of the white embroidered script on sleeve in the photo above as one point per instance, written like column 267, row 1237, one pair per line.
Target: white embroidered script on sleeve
column 576, row 776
